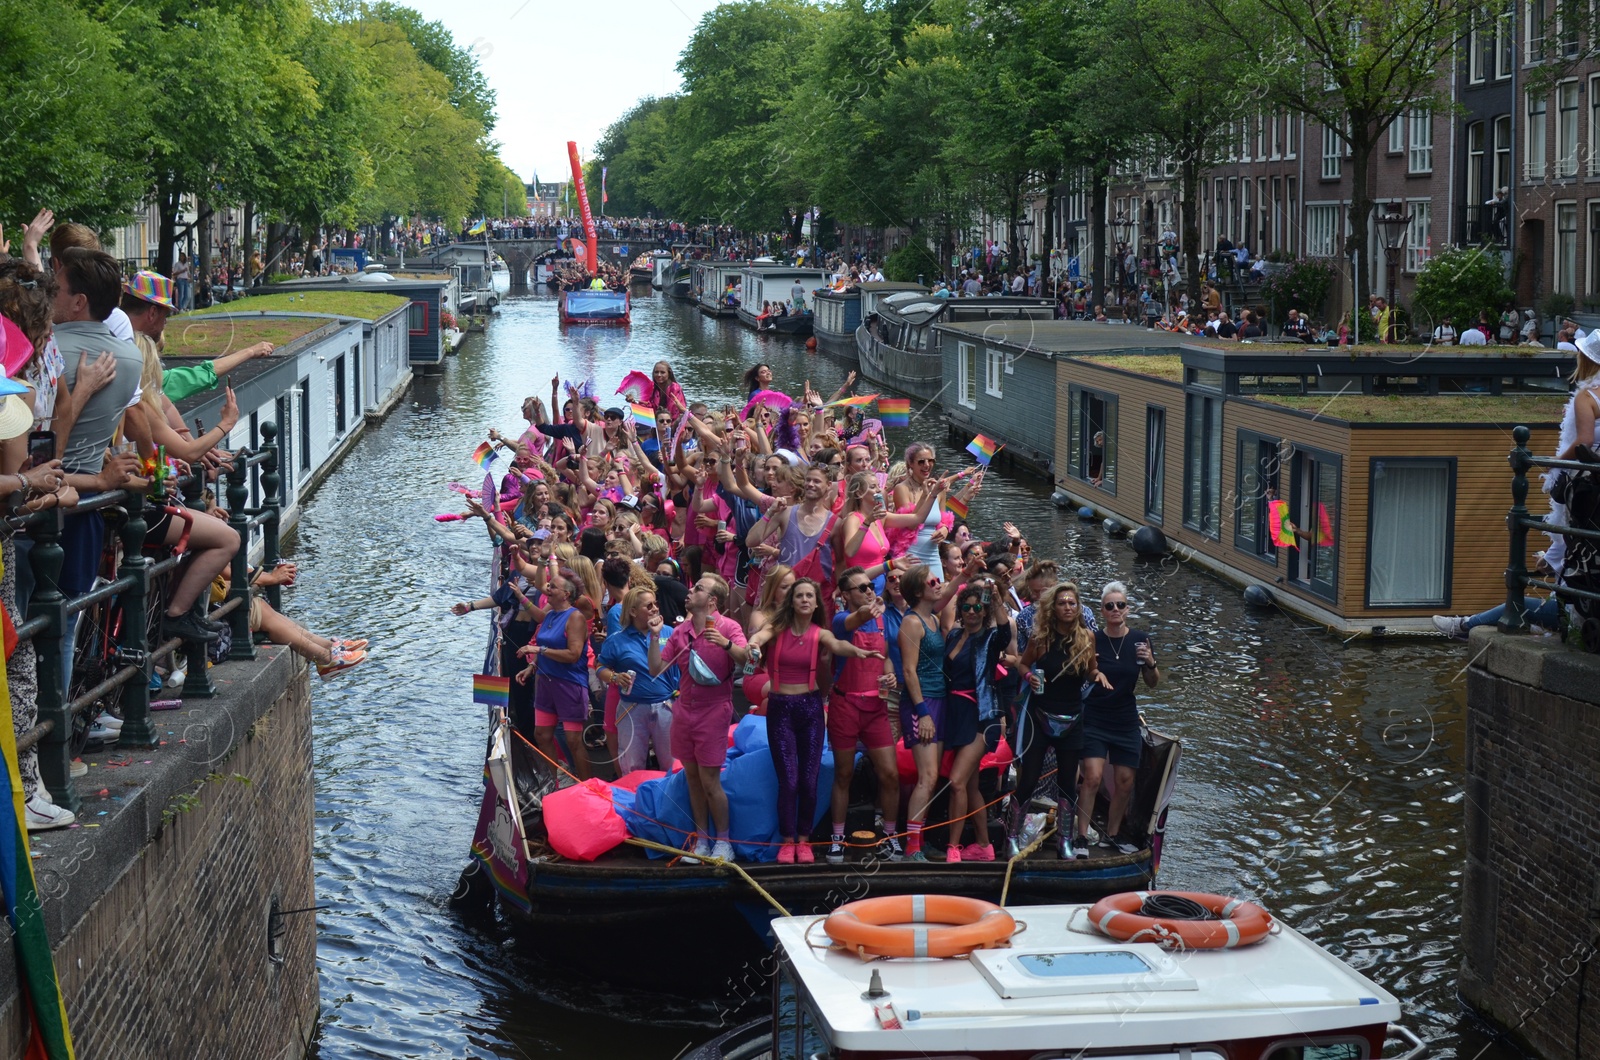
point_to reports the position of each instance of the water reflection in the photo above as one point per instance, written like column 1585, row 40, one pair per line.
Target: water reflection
column 1321, row 779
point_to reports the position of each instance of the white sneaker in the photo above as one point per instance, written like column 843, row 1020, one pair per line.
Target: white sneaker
column 702, row 849
column 1454, row 628
column 109, row 721
column 42, row 816
column 80, row 768
column 723, row 849
column 98, row 733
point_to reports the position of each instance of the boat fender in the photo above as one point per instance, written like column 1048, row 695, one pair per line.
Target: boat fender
column 1115, row 528
column 811, row 343
column 1181, row 920
column 1061, row 499
column 1149, row 541
column 1258, row 596
column 1086, row 514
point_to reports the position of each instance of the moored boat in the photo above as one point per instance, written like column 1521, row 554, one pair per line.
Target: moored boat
column 772, row 283
column 838, row 313
column 587, row 307
column 894, row 341
column 711, row 286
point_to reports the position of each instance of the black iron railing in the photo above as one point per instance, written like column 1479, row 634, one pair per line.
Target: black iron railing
column 136, row 654
column 1519, row 522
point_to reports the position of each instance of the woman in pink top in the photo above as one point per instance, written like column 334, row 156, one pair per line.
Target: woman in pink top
column 798, row 648
column 863, row 536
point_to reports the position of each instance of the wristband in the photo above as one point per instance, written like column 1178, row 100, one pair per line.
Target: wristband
column 921, row 710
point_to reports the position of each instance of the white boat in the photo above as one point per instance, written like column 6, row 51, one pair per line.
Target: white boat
column 1061, row 989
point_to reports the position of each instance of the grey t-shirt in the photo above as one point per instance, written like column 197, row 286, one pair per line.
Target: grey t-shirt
column 86, row 446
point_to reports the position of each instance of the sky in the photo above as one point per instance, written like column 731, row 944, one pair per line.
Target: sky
column 566, row 71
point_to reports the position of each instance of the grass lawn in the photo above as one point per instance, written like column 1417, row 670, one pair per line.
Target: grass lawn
column 206, row 335
column 1420, row 408
column 367, row 305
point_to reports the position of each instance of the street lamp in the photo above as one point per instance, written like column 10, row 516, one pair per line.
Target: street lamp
column 1393, row 224
column 1122, row 229
column 1025, row 231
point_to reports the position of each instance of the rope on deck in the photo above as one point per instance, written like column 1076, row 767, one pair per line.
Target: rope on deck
column 707, row 859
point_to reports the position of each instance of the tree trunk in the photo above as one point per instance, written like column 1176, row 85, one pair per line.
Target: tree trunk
column 1052, row 178
column 1189, row 186
column 201, row 274
column 246, row 244
column 1019, row 256
column 167, row 205
column 1097, row 231
column 1360, row 211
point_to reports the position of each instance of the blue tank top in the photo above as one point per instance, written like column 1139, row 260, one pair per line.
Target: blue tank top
column 930, row 659
column 552, row 633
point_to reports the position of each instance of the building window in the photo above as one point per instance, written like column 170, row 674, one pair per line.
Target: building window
column 1410, row 532
column 1092, row 437
column 1420, row 160
column 1567, row 129
column 1504, row 44
column 1155, row 462
column 1314, row 510
column 1502, row 153
column 1291, row 126
column 305, row 424
column 1292, row 213
column 1419, row 235
column 1277, row 121
column 1256, row 487
column 419, row 318
column 1566, row 273
column 994, row 372
column 1261, row 136
column 1594, row 125
column 1591, row 272
column 1202, row 465
column 1534, row 20
column 967, row 366
column 1397, row 135
column 1533, row 159
column 1475, row 55
column 1476, row 160
column 1322, row 231
column 1332, row 153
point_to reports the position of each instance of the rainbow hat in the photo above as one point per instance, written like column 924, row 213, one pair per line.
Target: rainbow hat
column 151, row 287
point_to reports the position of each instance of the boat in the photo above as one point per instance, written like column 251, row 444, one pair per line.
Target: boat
column 661, row 269
column 595, row 307
column 894, row 341
column 837, row 313
column 711, row 279
column 1056, row 987
column 588, row 911
column 642, row 270
column 679, row 281
column 762, row 283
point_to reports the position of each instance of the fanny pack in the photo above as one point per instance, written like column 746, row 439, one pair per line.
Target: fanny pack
column 700, row 671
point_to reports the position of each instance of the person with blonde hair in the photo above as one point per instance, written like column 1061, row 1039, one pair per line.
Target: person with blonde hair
column 644, row 709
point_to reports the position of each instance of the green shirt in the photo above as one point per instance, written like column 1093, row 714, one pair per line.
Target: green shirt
column 188, row 379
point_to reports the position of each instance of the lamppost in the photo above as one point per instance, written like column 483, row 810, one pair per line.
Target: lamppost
column 1393, row 224
column 1122, row 229
column 1025, row 236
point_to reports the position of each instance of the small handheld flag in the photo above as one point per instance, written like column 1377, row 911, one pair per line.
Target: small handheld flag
column 484, row 455
column 1324, row 526
column 491, row 691
column 984, row 449
column 956, row 506
column 852, row 402
column 643, row 415
column 894, row 412
column 1279, row 525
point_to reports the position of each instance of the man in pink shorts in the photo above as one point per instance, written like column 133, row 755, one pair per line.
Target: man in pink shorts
column 710, row 648
column 856, row 711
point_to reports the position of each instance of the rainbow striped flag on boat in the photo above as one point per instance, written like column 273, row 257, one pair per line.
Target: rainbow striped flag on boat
column 984, row 448
column 955, row 506
column 491, row 691
column 484, row 455
column 894, row 412
column 643, row 415
column 852, row 402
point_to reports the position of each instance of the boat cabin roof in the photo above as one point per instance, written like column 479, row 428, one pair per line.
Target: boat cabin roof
column 1062, row 987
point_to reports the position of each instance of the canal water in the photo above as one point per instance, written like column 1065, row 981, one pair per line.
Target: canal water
column 1322, row 779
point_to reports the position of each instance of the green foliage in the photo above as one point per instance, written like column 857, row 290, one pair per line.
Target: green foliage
column 501, row 193
column 1460, row 283
column 911, row 261
column 1557, row 305
column 1302, row 285
column 634, row 149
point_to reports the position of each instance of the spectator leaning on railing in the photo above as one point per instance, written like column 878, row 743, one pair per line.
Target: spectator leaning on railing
column 147, row 300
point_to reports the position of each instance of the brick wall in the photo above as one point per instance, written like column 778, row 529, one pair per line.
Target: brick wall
column 171, row 958
column 1531, row 896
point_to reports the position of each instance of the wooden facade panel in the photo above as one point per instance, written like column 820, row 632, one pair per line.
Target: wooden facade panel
column 1134, row 395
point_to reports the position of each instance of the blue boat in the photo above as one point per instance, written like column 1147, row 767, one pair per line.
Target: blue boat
column 595, row 307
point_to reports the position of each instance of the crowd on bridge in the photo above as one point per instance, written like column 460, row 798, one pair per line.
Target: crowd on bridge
column 667, row 560
column 87, row 407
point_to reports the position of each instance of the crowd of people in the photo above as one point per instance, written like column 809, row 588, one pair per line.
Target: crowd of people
column 89, row 408
column 779, row 554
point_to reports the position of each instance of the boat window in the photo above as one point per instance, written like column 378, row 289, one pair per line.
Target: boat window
column 1410, row 533
column 1255, row 490
column 1349, row 1049
column 1314, row 508
column 1092, row 435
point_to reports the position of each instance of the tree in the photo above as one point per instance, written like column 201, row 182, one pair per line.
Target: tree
column 501, row 193
column 634, row 149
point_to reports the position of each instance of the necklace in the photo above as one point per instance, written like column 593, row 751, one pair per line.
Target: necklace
column 1116, row 651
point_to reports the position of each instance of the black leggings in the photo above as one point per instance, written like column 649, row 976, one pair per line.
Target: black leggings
column 1032, row 740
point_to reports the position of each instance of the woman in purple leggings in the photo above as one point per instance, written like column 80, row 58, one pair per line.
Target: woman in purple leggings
column 795, row 646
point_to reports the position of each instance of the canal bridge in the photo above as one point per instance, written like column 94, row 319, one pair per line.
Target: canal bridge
column 522, row 254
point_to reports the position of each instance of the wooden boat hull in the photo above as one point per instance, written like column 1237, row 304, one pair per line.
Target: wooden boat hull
column 596, row 308
column 912, row 372
column 638, row 275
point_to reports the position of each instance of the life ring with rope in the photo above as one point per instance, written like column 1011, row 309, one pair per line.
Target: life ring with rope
column 1188, row 920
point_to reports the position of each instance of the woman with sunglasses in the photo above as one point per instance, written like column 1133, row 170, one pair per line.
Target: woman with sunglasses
column 972, row 710
column 862, row 536
column 923, row 494
column 922, row 705
column 1111, row 717
column 1060, row 658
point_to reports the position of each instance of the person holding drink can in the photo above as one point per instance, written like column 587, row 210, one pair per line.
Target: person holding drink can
column 644, row 709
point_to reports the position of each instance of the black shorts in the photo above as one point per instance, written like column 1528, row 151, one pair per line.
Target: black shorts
column 157, row 521
column 1120, row 747
column 960, row 720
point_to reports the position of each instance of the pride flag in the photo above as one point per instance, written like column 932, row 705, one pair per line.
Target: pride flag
column 956, row 506
column 643, row 415
column 484, row 455
column 852, row 402
column 894, row 412
column 984, row 449
column 491, row 691
column 1279, row 525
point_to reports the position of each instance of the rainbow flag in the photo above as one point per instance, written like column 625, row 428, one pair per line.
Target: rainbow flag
column 852, row 402
column 1279, row 526
column 484, row 455
column 956, row 506
column 491, row 691
column 894, row 412
column 984, row 449
column 46, row 1012
column 643, row 415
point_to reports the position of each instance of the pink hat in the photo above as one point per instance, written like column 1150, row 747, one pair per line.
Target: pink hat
column 15, row 348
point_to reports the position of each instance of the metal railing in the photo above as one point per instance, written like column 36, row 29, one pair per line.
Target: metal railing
column 136, row 656
column 1515, row 619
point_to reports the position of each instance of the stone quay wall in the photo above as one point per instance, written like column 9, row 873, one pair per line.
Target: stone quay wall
column 162, row 915
column 1530, row 919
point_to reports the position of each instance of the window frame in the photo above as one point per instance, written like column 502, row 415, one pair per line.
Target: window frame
column 1397, row 133
column 1452, row 466
column 1563, row 272
column 1253, row 442
column 1316, row 584
column 411, row 327
column 1535, row 163
column 1155, row 462
column 1316, row 213
column 966, row 374
column 1419, row 252
column 995, row 363
column 1567, row 127
column 1475, row 64
column 1078, row 438
column 1332, row 160
column 1196, row 466
column 1419, row 152
column 1505, row 43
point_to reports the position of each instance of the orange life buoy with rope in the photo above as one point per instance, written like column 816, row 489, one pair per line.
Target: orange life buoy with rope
column 919, row 925
column 1181, row 919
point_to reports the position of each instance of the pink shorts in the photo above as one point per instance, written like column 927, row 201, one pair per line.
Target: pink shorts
column 700, row 734
column 613, row 697
column 857, row 717
column 555, row 701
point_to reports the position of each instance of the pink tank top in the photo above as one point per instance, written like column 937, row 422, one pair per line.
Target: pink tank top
column 874, row 548
column 794, row 659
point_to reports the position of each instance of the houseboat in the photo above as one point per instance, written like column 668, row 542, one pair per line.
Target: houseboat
column 1000, row 379
column 763, row 283
column 473, row 264
column 837, row 313
column 711, row 286
column 430, row 295
column 894, row 341
column 1362, row 488
column 678, row 281
column 589, row 910
column 1061, row 982
column 603, row 308
column 661, row 270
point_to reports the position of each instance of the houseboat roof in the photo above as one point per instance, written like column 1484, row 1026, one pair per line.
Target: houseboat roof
column 1064, row 336
column 1062, row 988
column 367, row 305
column 216, row 334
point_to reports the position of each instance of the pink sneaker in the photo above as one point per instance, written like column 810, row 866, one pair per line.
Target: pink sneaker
column 952, row 855
column 973, row 852
column 803, row 854
column 786, row 854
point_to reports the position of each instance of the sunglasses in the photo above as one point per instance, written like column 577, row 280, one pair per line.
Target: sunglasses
column 972, row 608
column 863, row 587
column 1116, row 605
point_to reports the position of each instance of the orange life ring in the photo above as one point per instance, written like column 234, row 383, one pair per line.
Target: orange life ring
column 1238, row 923
column 919, row 925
